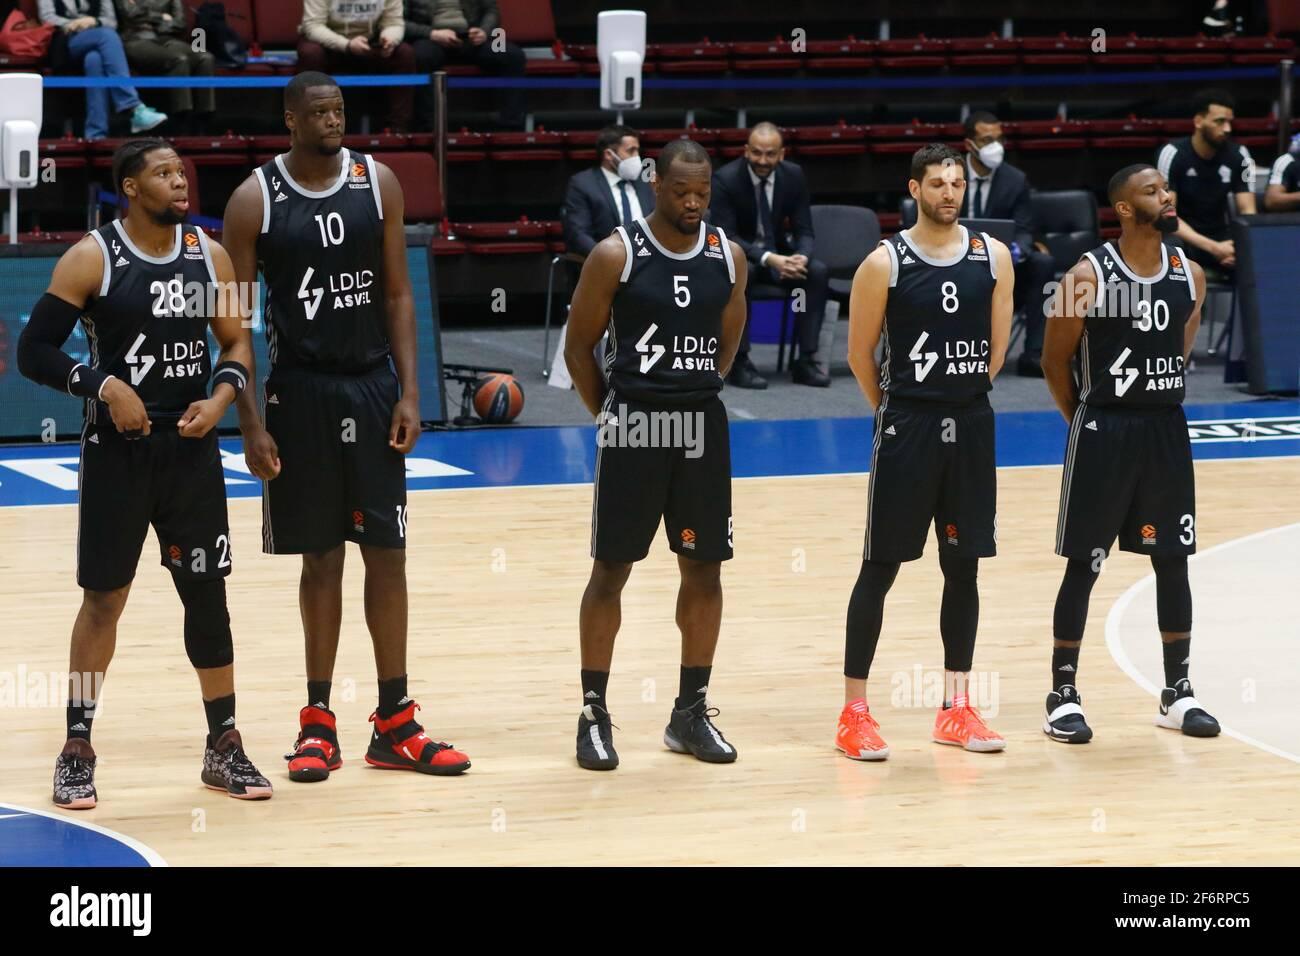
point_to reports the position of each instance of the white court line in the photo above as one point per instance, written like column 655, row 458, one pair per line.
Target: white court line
column 1120, row 656
column 152, row 857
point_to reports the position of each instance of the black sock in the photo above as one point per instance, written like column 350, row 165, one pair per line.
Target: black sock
column 594, row 684
column 1177, row 660
column 1065, row 667
column 692, row 686
column 80, row 718
column 392, row 696
column 318, row 693
column 221, row 716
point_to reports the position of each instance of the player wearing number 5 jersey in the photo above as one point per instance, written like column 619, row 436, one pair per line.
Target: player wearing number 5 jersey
column 324, row 225
column 937, row 300
column 1126, row 317
column 670, row 291
column 146, row 288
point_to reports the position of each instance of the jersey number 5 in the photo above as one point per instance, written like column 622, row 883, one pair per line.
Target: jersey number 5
column 681, row 294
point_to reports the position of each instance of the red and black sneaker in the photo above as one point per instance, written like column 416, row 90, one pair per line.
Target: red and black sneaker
column 316, row 751
column 399, row 743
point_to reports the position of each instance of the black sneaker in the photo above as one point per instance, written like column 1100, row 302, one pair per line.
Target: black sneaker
column 1064, row 721
column 596, row 739
column 227, row 768
column 74, row 776
column 1179, row 710
column 691, row 731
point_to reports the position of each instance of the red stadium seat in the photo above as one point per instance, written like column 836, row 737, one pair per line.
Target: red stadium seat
column 841, row 55
column 1194, row 51
column 512, row 231
column 916, row 53
column 418, row 175
column 277, row 22
column 1055, row 51
column 988, row 51
column 537, row 146
column 528, row 22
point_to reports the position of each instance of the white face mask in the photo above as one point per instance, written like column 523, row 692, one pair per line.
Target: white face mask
column 991, row 154
column 629, row 168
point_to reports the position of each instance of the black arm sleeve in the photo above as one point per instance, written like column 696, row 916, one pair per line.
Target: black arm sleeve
column 40, row 350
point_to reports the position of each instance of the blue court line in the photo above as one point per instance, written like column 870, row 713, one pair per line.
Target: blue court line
column 55, row 838
column 497, row 457
column 923, row 81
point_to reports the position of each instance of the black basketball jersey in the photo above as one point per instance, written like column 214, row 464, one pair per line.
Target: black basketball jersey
column 938, row 321
column 321, row 255
column 665, row 325
column 148, row 323
column 1131, row 352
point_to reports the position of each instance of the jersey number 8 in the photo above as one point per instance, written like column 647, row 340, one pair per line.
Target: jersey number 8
column 949, row 290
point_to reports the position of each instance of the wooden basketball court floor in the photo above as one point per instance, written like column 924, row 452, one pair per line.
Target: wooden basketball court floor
column 495, row 577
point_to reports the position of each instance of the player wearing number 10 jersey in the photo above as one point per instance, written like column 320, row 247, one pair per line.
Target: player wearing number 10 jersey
column 342, row 408
column 938, row 297
column 1127, row 313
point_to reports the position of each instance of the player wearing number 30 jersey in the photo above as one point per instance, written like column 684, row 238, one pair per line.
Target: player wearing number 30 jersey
column 937, row 299
column 1126, row 317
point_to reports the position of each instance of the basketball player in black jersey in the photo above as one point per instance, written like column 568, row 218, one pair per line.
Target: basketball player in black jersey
column 670, row 291
column 939, row 296
column 1127, row 313
column 324, row 226
column 146, row 288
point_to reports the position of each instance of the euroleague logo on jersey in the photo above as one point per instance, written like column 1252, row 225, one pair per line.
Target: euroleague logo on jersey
column 977, row 251
column 712, row 247
column 358, row 178
column 192, row 250
column 358, row 521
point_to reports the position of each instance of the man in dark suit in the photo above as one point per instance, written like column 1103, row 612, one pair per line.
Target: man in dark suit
column 761, row 201
column 998, row 190
column 607, row 195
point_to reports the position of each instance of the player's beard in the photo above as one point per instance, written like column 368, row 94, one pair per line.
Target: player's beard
column 1161, row 223
column 932, row 213
column 324, row 150
column 167, row 216
column 684, row 228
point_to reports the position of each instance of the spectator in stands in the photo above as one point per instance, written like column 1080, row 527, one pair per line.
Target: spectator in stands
column 88, row 39
column 1202, row 171
column 761, row 201
column 460, row 31
column 156, row 40
column 1284, row 181
column 998, row 190
column 608, row 195
column 360, row 36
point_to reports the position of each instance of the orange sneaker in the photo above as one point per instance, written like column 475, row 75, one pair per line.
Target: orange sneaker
column 962, row 726
column 858, row 735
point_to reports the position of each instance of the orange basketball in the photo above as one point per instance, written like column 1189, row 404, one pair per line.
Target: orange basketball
column 498, row 399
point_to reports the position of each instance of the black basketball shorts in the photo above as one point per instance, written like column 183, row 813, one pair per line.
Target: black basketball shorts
column 1128, row 473
column 339, row 478
column 174, row 484
column 932, row 463
column 656, row 462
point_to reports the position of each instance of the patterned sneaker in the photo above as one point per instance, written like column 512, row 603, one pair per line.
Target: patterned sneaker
column 74, row 776
column 227, row 768
column 858, row 735
column 596, row 739
column 1064, row 721
column 1179, row 710
column 962, row 726
column 691, row 731
column 316, row 751
column 399, row 743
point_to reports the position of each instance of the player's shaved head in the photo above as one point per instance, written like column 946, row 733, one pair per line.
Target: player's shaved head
column 682, row 153
column 1118, row 186
column 295, row 92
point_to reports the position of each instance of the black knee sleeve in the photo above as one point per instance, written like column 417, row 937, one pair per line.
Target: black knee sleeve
column 959, row 614
column 1173, row 595
column 866, row 611
column 1071, row 613
column 207, row 622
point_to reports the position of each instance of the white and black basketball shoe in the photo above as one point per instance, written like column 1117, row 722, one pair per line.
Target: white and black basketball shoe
column 596, row 739
column 1065, row 721
column 691, row 731
column 1179, row 710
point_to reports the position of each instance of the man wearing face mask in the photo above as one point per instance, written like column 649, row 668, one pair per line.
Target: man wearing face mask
column 611, row 194
column 998, row 190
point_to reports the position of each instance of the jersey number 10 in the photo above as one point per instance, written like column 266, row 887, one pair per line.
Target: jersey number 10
column 331, row 229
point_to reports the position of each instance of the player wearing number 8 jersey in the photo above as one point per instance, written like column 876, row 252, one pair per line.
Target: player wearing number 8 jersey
column 1127, row 314
column 937, row 299
column 324, row 224
column 146, row 288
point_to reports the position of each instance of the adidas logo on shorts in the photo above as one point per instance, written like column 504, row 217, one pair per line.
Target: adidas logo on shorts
column 1091, row 426
column 890, row 430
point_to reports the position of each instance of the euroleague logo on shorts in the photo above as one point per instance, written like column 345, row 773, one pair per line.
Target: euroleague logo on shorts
column 358, row 522
column 688, row 539
column 1148, row 534
column 174, row 553
column 951, row 532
